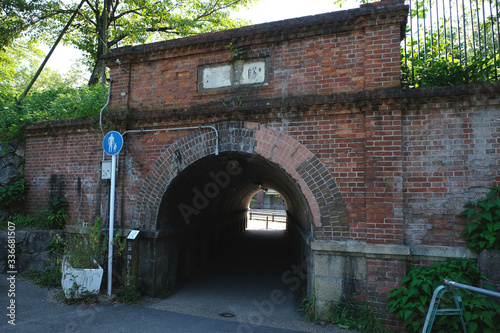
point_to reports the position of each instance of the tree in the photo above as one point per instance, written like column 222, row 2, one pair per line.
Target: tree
column 104, row 24
column 20, row 61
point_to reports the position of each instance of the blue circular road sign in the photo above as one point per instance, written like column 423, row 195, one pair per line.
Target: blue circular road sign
column 112, row 143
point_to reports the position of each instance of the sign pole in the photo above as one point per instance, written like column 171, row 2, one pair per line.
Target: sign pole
column 112, row 144
column 111, row 223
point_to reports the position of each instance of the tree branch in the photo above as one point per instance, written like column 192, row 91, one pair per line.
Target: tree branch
column 116, row 40
column 128, row 12
column 163, row 29
column 113, row 11
column 87, row 18
column 92, row 8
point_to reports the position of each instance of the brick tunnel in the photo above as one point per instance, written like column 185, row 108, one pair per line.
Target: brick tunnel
column 204, row 198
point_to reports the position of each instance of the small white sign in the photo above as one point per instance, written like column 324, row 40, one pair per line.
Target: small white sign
column 133, row 234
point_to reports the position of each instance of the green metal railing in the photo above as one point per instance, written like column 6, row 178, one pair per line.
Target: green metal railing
column 451, row 287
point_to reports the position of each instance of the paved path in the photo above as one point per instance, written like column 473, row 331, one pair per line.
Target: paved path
column 247, row 282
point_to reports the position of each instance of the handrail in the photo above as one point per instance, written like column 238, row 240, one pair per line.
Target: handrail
column 454, row 284
column 451, row 286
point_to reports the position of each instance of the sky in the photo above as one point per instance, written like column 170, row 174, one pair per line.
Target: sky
column 262, row 11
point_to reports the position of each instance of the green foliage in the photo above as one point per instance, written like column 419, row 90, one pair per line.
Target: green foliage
column 308, row 307
column 56, row 246
column 128, row 22
column 86, row 247
column 353, row 315
column 347, row 315
column 411, row 301
column 483, row 230
column 13, row 193
column 238, row 52
column 26, row 222
column 129, row 294
column 48, row 277
column 439, row 71
column 19, row 63
column 57, row 213
column 51, row 104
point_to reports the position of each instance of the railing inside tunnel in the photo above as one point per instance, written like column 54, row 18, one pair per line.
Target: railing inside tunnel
column 274, row 219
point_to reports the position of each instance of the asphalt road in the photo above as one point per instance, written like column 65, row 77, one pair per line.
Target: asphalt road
column 246, row 283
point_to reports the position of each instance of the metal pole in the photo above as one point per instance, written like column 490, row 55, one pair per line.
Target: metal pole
column 454, row 284
column 18, row 101
column 111, row 223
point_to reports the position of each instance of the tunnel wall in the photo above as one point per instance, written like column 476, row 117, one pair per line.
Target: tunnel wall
column 382, row 171
column 167, row 258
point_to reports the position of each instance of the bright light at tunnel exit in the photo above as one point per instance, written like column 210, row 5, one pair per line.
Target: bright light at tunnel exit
column 267, row 211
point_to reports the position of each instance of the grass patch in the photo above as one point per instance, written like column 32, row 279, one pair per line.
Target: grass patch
column 355, row 316
column 350, row 314
column 50, row 276
column 26, row 222
column 46, row 278
column 129, row 294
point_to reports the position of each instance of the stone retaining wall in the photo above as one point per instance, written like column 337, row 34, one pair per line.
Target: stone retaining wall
column 31, row 249
column 11, row 169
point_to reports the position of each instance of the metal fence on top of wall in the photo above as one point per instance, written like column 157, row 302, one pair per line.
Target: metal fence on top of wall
column 450, row 42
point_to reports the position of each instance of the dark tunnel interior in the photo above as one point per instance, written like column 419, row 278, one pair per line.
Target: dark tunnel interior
column 205, row 210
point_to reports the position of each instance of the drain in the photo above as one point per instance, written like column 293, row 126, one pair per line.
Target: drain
column 227, row 314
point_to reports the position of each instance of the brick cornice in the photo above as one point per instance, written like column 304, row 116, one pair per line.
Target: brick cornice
column 374, row 97
column 256, row 105
column 302, row 27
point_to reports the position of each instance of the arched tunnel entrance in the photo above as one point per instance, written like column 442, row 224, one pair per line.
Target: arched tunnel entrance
column 206, row 207
column 193, row 204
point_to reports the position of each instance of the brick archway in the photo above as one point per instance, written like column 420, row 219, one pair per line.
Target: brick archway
column 327, row 208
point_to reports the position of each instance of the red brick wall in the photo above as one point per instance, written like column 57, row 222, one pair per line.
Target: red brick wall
column 404, row 162
column 64, row 161
column 403, row 175
column 378, row 164
column 346, row 51
column 451, row 155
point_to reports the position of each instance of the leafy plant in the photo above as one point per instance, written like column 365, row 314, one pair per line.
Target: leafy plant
column 353, row 315
column 411, row 301
column 309, row 308
column 483, row 230
column 49, row 277
column 129, row 294
column 57, row 213
column 87, row 247
column 50, row 104
column 26, row 222
column 238, row 52
column 348, row 314
column 56, row 245
column 13, row 193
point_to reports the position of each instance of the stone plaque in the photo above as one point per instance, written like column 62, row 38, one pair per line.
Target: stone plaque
column 251, row 72
column 217, row 77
